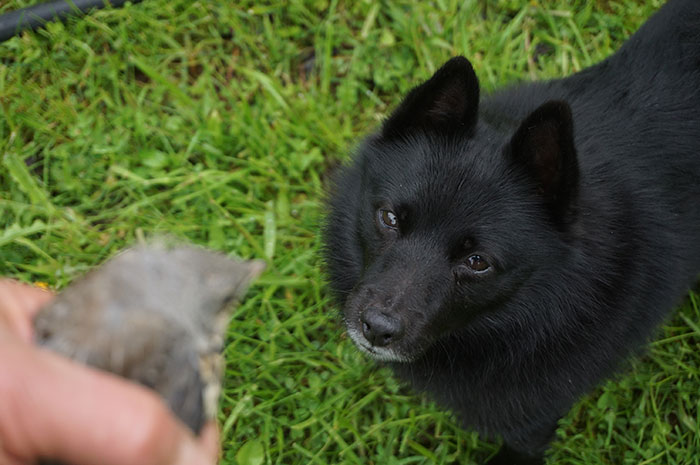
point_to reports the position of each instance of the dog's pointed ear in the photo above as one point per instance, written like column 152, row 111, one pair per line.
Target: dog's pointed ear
column 446, row 102
column 544, row 144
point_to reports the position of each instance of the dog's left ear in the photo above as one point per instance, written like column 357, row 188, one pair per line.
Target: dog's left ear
column 544, row 144
column 446, row 102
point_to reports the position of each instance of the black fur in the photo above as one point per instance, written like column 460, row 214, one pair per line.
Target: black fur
column 505, row 255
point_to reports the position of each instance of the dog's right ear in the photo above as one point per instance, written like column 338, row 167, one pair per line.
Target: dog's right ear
column 447, row 102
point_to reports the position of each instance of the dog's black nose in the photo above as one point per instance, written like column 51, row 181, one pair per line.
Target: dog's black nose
column 380, row 328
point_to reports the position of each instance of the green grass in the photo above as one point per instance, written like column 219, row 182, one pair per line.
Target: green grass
column 218, row 123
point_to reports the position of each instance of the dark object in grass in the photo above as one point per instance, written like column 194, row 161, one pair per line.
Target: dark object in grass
column 506, row 254
column 36, row 16
column 155, row 315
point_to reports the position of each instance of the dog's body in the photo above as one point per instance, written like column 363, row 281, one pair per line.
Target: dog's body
column 505, row 255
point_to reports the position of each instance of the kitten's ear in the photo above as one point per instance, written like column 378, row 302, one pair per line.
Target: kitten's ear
column 544, row 144
column 446, row 102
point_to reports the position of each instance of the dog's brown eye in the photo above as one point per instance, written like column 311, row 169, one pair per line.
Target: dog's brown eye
column 477, row 263
column 388, row 219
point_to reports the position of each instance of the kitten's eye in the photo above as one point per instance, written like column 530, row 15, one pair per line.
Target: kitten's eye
column 478, row 264
column 388, row 219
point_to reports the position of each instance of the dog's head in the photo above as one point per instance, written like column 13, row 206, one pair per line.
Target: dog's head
column 442, row 218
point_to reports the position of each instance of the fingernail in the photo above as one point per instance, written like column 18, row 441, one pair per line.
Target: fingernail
column 190, row 453
column 209, row 439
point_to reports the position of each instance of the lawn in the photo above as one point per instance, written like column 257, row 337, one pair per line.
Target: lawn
column 219, row 122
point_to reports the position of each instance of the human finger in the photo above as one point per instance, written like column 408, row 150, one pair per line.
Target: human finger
column 19, row 303
column 61, row 410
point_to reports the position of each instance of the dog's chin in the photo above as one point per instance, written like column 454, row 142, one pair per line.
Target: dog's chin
column 381, row 354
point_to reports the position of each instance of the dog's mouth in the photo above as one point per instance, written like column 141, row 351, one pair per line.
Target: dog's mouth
column 382, row 354
column 384, row 326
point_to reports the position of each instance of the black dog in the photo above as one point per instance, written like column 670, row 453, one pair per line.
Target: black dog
column 505, row 255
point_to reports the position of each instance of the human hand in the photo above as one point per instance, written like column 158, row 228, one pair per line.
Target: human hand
column 51, row 407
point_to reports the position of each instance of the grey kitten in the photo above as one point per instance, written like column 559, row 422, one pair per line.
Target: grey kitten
column 155, row 315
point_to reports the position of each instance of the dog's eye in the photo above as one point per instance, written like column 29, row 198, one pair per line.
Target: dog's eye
column 388, row 219
column 474, row 267
column 478, row 264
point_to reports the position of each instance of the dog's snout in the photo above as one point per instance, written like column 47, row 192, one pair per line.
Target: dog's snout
column 379, row 327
